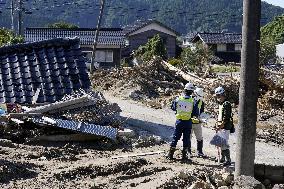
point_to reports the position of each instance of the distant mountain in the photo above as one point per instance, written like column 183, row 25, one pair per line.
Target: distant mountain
column 182, row 15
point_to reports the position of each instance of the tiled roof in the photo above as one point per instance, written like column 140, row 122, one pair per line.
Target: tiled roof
column 55, row 66
column 142, row 23
column 190, row 36
column 107, row 36
column 219, row 38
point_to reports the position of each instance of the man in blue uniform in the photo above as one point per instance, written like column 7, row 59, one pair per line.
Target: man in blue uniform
column 184, row 107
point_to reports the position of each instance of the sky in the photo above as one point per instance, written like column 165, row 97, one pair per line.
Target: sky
column 276, row 2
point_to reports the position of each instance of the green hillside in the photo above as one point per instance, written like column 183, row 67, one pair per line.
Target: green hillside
column 182, row 15
column 274, row 31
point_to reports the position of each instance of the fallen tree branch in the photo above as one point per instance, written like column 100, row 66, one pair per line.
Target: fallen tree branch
column 272, row 72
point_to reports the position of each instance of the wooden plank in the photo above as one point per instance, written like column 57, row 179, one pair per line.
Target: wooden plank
column 137, row 155
column 21, row 115
column 272, row 72
column 60, row 105
column 71, row 107
column 187, row 76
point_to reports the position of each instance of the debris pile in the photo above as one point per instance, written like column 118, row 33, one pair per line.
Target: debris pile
column 151, row 83
column 202, row 177
column 87, row 112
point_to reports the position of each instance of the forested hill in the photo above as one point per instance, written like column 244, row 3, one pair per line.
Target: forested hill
column 182, row 15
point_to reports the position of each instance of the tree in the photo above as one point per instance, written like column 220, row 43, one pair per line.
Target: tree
column 272, row 34
column 7, row 37
column 274, row 31
column 154, row 47
column 267, row 52
column 196, row 58
column 63, row 25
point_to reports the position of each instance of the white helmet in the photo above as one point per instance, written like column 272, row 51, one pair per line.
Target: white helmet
column 219, row 91
column 198, row 93
column 189, row 87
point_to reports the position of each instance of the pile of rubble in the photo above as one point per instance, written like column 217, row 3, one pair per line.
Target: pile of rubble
column 202, row 177
column 156, row 83
column 81, row 112
column 152, row 83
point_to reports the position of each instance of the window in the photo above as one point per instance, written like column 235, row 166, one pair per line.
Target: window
column 221, row 47
column 238, row 47
column 88, row 55
column 109, row 56
column 104, row 56
column 230, row 47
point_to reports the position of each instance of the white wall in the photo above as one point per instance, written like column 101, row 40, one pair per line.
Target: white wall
column 280, row 51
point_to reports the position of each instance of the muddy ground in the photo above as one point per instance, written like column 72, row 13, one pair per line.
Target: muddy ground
column 90, row 165
column 95, row 164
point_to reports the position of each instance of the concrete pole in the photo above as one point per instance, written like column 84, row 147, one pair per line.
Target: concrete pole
column 97, row 36
column 12, row 15
column 20, row 19
column 248, row 94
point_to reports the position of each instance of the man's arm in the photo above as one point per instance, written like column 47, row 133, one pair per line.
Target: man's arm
column 174, row 104
column 227, row 112
column 195, row 111
column 202, row 108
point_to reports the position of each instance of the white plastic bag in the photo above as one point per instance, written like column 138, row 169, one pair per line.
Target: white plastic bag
column 219, row 139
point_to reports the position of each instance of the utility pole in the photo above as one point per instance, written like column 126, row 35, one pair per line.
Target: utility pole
column 12, row 14
column 248, row 94
column 20, row 19
column 97, row 36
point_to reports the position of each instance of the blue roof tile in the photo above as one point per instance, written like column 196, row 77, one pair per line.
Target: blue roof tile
column 48, row 65
column 107, row 36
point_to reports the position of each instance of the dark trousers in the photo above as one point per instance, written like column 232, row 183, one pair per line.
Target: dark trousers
column 182, row 128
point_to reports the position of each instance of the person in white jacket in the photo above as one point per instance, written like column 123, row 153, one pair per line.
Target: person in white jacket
column 196, row 123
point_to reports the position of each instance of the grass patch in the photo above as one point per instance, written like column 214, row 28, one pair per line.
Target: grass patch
column 225, row 68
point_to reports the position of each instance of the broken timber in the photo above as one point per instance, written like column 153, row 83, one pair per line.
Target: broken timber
column 83, row 101
column 187, row 76
column 136, row 155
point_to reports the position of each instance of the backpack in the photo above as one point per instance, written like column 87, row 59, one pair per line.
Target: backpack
column 233, row 129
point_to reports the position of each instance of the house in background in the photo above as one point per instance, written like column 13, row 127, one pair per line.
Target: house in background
column 280, row 52
column 110, row 42
column 187, row 40
column 141, row 31
column 113, row 43
column 226, row 46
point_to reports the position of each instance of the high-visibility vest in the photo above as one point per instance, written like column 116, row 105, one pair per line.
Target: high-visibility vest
column 184, row 107
column 194, row 119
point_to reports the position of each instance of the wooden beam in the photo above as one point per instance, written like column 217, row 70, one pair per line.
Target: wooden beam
column 136, row 155
column 21, row 115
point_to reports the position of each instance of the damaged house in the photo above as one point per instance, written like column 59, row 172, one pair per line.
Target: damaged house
column 52, row 75
column 46, row 70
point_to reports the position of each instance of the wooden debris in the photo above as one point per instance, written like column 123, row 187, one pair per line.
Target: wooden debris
column 136, row 155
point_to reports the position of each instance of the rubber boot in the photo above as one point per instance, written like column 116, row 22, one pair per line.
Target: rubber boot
column 222, row 160
column 190, row 153
column 170, row 155
column 228, row 158
column 199, row 148
column 184, row 154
